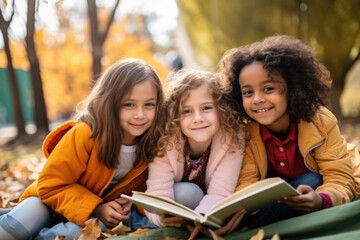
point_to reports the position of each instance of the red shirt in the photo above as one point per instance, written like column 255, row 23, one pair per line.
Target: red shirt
column 284, row 157
column 195, row 170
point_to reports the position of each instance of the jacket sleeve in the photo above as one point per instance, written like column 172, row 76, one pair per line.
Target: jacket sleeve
column 335, row 165
column 224, row 174
column 57, row 183
column 249, row 171
column 160, row 182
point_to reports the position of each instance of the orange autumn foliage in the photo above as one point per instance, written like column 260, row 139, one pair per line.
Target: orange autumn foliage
column 66, row 61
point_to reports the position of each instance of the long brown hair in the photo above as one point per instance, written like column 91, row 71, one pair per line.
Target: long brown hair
column 101, row 108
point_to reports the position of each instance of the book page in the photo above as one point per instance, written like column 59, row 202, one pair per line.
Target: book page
column 161, row 205
column 253, row 197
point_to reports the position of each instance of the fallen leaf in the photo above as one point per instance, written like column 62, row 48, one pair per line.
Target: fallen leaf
column 120, row 229
column 259, row 236
column 91, row 231
column 104, row 235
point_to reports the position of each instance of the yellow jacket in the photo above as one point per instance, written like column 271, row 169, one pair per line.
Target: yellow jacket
column 73, row 180
column 324, row 150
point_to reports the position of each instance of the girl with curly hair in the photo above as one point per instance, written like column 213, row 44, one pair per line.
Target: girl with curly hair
column 281, row 88
column 201, row 149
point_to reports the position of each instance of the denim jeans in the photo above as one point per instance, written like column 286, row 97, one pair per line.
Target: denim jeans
column 279, row 211
column 25, row 220
column 71, row 230
column 33, row 219
column 188, row 194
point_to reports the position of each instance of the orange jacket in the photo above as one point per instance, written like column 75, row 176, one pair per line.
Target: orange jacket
column 73, row 179
column 324, row 151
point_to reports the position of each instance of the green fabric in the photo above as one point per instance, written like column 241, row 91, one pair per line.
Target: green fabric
column 157, row 234
column 341, row 222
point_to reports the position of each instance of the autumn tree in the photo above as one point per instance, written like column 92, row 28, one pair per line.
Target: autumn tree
column 98, row 35
column 65, row 56
column 331, row 26
column 41, row 119
column 19, row 118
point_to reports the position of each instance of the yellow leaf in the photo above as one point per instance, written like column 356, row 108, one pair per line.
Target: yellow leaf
column 120, row 229
column 91, row 231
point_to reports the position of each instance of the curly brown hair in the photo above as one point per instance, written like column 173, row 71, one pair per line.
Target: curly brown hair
column 308, row 81
column 182, row 82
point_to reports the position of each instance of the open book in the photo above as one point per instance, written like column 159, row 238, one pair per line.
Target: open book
column 253, row 197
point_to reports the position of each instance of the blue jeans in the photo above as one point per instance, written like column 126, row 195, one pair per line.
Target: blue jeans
column 188, row 194
column 25, row 220
column 33, row 219
column 279, row 211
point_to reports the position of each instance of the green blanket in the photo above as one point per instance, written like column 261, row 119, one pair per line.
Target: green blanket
column 341, row 222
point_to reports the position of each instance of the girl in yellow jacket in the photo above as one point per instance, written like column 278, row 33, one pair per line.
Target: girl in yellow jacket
column 95, row 159
column 281, row 88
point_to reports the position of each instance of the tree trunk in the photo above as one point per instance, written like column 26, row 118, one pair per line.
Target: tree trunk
column 41, row 120
column 95, row 39
column 334, row 100
column 338, row 88
column 18, row 115
column 98, row 37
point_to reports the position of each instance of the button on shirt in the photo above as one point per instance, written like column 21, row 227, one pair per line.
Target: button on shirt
column 284, row 157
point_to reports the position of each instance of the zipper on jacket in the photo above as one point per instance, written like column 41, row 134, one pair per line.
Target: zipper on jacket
column 107, row 184
column 122, row 184
column 309, row 150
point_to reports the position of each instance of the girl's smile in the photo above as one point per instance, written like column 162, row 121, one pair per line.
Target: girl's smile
column 263, row 110
column 264, row 97
column 138, row 111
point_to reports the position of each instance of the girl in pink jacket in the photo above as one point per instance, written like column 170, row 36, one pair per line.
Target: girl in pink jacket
column 200, row 153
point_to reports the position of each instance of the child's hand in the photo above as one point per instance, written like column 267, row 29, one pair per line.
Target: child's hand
column 231, row 225
column 171, row 221
column 125, row 205
column 111, row 214
column 307, row 201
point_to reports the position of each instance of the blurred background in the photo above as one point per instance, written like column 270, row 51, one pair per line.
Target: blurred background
column 52, row 51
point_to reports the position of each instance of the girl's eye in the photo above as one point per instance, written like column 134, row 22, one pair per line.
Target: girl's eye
column 129, row 105
column 207, row 108
column 246, row 93
column 150, row 105
column 186, row 111
column 268, row 89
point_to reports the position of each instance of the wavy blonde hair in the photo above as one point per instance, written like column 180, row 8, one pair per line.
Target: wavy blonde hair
column 178, row 86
